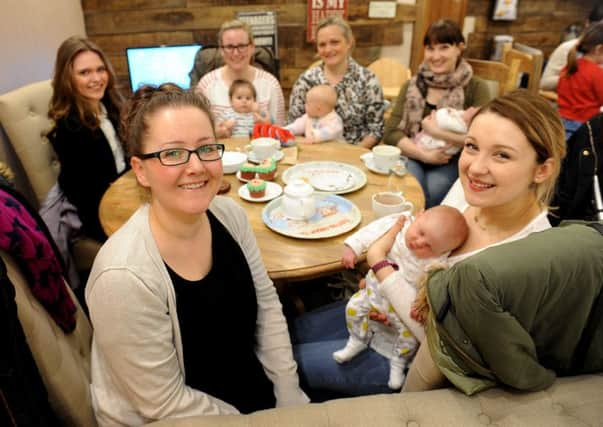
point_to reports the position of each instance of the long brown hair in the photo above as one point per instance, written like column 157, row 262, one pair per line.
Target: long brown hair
column 592, row 37
column 64, row 96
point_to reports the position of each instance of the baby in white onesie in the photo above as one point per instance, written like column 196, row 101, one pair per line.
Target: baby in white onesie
column 424, row 241
column 447, row 119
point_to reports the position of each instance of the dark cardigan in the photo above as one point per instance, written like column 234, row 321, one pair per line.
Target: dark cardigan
column 87, row 167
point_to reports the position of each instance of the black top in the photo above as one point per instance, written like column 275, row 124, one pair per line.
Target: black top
column 87, row 168
column 217, row 317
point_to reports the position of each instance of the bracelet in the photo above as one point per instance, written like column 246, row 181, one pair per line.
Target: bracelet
column 383, row 263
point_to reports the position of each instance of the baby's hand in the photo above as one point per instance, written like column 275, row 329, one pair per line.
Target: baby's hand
column 348, row 258
column 229, row 124
column 261, row 117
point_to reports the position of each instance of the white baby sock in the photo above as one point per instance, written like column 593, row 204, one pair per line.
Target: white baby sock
column 396, row 374
column 351, row 349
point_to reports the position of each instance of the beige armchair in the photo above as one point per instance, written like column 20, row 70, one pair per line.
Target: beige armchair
column 24, row 117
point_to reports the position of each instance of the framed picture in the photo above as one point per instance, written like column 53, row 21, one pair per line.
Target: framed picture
column 319, row 9
column 504, row 10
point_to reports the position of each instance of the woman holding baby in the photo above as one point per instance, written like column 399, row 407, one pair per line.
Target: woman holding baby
column 507, row 171
column 359, row 95
column 444, row 79
column 237, row 48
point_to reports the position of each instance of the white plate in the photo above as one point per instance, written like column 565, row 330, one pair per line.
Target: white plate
column 398, row 169
column 278, row 156
column 334, row 177
column 334, row 215
column 240, row 178
column 272, row 190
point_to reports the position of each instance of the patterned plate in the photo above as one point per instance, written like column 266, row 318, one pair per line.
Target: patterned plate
column 334, row 177
column 334, row 215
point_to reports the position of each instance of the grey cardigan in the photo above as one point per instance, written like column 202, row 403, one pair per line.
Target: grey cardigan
column 137, row 362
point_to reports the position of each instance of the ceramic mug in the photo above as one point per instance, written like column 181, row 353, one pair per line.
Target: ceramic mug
column 263, row 148
column 385, row 157
column 389, row 202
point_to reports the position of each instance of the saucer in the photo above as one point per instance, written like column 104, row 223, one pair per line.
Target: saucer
column 398, row 169
column 278, row 156
column 238, row 175
column 273, row 190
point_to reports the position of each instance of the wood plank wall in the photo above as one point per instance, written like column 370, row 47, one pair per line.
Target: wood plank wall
column 117, row 24
column 540, row 24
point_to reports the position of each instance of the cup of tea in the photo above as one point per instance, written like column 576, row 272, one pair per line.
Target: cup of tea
column 389, row 202
column 262, row 148
column 385, row 157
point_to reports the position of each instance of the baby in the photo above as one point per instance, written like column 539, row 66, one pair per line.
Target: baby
column 447, row 119
column 423, row 241
column 320, row 122
column 245, row 111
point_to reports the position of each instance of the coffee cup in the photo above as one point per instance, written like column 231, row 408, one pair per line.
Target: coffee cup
column 389, row 202
column 262, row 148
column 385, row 157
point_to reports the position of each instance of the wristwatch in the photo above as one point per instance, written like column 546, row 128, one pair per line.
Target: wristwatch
column 383, row 263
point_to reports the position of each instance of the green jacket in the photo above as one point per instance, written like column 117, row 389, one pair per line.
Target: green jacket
column 515, row 313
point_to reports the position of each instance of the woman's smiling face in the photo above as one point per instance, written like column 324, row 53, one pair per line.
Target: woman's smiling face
column 498, row 166
column 333, row 47
column 186, row 189
column 441, row 58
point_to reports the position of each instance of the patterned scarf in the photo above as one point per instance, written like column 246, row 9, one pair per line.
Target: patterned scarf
column 454, row 97
column 23, row 237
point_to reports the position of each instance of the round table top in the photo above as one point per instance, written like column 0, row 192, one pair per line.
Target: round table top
column 285, row 257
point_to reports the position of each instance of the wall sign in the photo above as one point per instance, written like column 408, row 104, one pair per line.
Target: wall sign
column 319, row 9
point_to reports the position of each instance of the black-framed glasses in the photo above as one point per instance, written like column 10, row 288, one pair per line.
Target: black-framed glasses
column 230, row 48
column 180, row 156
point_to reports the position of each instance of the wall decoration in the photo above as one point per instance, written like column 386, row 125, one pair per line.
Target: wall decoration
column 505, row 10
column 319, row 9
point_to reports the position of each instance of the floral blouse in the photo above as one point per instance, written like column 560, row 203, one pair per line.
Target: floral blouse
column 359, row 100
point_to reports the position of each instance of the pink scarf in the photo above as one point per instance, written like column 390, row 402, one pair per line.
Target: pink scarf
column 454, row 97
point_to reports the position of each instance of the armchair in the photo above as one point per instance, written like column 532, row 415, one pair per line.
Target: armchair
column 24, row 117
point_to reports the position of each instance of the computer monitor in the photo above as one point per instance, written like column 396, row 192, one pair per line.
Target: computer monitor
column 161, row 64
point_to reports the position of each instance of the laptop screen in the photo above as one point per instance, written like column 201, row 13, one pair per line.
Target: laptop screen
column 161, row 64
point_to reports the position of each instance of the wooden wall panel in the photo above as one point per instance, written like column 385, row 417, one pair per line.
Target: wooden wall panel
column 540, row 23
column 117, row 24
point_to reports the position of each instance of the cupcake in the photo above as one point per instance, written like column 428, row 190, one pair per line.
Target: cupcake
column 267, row 169
column 248, row 170
column 256, row 188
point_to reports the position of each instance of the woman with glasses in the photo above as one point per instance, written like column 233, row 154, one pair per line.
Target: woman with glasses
column 237, row 48
column 161, row 285
column 359, row 95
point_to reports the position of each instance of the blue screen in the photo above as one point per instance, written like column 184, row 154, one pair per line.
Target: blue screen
column 161, row 64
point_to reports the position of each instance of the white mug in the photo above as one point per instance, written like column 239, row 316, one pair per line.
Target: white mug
column 385, row 157
column 389, row 202
column 263, row 148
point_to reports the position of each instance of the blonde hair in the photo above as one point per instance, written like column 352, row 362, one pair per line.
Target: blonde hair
column 324, row 94
column 339, row 22
column 235, row 24
column 542, row 127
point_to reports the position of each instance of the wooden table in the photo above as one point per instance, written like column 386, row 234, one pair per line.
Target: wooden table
column 285, row 258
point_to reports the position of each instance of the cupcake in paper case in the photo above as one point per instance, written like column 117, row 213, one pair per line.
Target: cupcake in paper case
column 256, row 188
column 248, row 170
column 267, row 169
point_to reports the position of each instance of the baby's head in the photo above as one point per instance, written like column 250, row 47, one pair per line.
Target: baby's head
column 242, row 96
column 320, row 101
column 436, row 231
